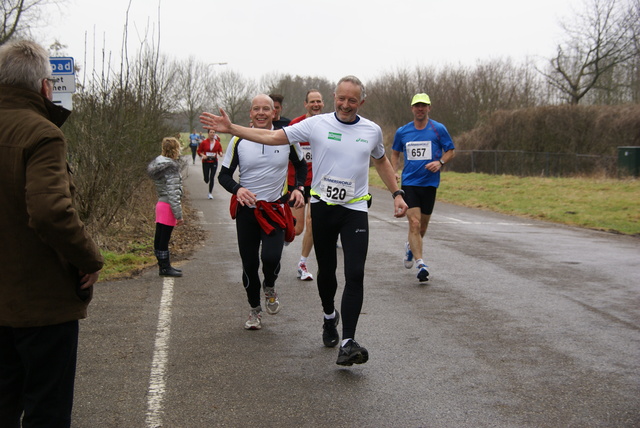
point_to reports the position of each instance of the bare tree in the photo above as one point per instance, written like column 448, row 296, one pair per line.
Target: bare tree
column 18, row 16
column 294, row 89
column 234, row 93
column 600, row 40
column 389, row 96
column 632, row 68
column 191, row 89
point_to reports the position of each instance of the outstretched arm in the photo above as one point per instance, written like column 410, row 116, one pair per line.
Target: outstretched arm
column 223, row 124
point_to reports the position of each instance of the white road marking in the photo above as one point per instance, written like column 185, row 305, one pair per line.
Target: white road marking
column 450, row 220
column 155, row 393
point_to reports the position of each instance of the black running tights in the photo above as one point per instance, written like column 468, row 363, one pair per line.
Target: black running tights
column 209, row 172
column 328, row 222
column 250, row 236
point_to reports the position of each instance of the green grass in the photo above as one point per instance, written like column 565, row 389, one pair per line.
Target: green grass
column 117, row 266
column 595, row 203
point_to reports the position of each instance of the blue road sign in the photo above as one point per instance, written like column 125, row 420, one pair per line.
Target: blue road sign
column 62, row 65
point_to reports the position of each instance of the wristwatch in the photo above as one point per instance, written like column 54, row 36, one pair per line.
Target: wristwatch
column 397, row 192
column 441, row 162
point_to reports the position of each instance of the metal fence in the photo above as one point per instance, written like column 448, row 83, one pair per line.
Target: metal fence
column 522, row 163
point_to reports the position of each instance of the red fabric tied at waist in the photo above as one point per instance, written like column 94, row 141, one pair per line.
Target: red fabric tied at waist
column 278, row 213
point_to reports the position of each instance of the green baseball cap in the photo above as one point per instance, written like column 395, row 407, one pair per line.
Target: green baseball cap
column 421, row 98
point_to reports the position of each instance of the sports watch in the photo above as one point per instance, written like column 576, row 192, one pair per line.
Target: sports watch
column 397, row 192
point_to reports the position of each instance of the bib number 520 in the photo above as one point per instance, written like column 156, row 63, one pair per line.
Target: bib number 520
column 336, row 193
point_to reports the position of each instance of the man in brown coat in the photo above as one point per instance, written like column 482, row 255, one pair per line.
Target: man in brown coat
column 49, row 262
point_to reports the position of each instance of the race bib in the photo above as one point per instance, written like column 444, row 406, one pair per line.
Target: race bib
column 210, row 154
column 337, row 190
column 306, row 153
column 419, row 150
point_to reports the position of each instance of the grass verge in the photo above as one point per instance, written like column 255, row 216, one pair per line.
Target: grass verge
column 594, row 203
column 117, row 266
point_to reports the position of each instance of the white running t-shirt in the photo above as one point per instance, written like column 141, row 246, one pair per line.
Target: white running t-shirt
column 263, row 169
column 341, row 153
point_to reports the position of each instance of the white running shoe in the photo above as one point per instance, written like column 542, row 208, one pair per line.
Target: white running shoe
column 255, row 319
column 303, row 273
column 423, row 273
column 209, row 196
column 272, row 302
column 408, row 256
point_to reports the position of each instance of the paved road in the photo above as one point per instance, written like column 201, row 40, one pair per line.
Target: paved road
column 523, row 324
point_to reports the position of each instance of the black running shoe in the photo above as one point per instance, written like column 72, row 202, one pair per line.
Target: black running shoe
column 330, row 336
column 352, row 353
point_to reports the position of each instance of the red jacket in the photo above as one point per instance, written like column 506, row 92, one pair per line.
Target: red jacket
column 205, row 147
column 278, row 213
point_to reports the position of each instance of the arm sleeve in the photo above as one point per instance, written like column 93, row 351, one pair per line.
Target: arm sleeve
column 445, row 139
column 229, row 165
column 174, row 186
column 397, row 141
column 378, row 150
column 225, row 178
column 49, row 198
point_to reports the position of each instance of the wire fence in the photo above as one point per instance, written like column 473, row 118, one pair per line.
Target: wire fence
column 523, row 163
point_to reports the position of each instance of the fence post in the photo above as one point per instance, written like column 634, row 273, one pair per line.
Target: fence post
column 546, row 164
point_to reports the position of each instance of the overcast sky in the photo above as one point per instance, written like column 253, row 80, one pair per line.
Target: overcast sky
column 327, row 38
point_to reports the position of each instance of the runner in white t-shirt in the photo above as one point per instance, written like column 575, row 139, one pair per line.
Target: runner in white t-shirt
column 259, row 206
column 342, row 144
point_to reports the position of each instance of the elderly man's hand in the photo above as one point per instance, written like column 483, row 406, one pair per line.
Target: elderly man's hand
column 88, row 279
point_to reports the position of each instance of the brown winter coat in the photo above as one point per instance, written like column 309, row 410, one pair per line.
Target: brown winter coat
column 43, row 243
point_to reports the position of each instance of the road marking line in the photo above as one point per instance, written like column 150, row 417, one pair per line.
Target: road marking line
column 462, row 222
column 155, row 393
column 454, row 219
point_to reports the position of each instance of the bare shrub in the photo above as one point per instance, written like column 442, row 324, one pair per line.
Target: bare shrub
column 118, row 122
column 461, row 97
column 552, row 140
column 594, row 130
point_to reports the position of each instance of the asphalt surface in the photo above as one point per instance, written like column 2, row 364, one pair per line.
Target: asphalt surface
column 522, row 324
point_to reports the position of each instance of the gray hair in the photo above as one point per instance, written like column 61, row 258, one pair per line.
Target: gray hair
column 355, row 81
column 24, row 64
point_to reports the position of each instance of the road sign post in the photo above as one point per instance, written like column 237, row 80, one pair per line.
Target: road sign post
column 64, row 74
